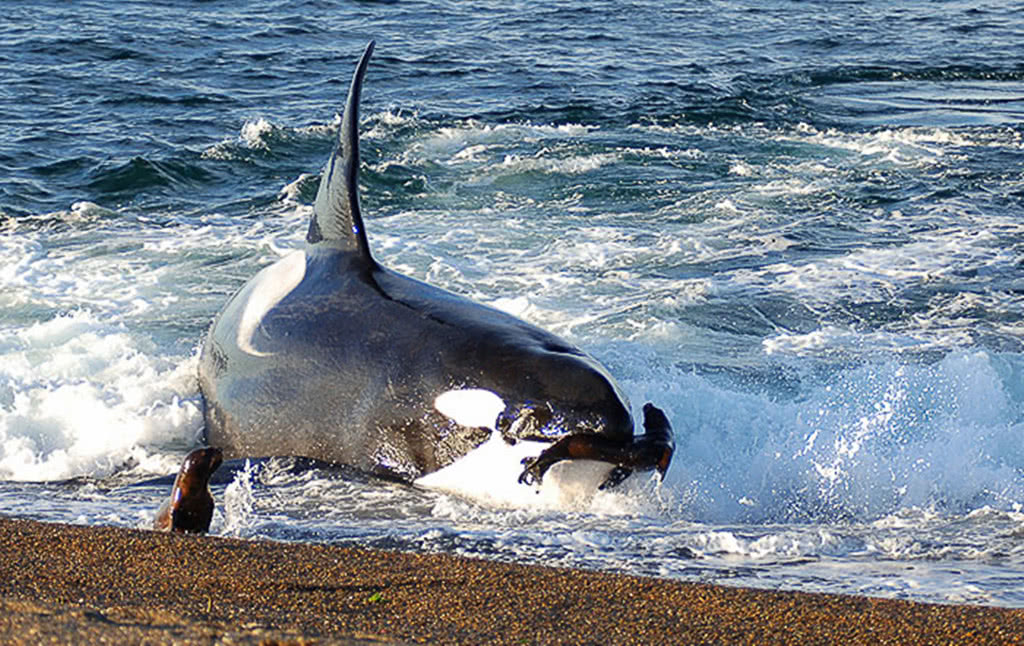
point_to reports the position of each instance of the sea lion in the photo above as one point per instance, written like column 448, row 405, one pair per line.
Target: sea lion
column 189, row 508
column 329, row 355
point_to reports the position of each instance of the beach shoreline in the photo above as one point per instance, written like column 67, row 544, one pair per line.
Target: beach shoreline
column 78, row 584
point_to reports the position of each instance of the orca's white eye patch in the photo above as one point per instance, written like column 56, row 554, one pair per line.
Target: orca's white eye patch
column 472, row 407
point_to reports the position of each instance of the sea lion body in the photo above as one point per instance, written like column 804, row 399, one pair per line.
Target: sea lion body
column 189, row 509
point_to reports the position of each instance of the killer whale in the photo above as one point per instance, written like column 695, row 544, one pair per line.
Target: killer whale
column 327, row 354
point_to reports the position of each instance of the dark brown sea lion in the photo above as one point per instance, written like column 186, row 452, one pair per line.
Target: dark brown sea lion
column 189, row 508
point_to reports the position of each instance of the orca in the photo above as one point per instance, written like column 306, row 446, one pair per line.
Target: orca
column 327, row 354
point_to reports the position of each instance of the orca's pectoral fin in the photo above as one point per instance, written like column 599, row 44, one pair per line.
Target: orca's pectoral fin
column 651, row 451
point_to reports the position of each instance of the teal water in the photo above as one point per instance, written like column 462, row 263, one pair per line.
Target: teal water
column 796, row 226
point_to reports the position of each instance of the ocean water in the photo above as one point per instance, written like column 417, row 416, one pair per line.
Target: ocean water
column 798, row 227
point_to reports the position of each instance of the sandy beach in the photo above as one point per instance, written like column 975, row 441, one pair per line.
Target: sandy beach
column 74, row 584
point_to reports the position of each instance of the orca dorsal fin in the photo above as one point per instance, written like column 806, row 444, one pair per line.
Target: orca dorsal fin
column 337, row 218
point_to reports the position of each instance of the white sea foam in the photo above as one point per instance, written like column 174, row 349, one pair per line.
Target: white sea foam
column 572, row 165
column 252, row 136
column 239, row 503
column 87, row 398
column 290, row 192
column 254, row 133
column 876, row 274
column 257, row 134
column 911, row 145
column 875, row 440
column 79, row 212
column 475, row 142
column 330, row 128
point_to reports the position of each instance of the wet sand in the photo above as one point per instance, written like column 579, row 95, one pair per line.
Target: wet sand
column 72, row 584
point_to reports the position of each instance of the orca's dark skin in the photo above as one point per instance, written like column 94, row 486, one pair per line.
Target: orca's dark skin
column 329, row 355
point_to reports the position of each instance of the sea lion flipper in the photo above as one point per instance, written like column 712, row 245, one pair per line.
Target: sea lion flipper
column 337, row 218
column 615, row 477
column 651, row 451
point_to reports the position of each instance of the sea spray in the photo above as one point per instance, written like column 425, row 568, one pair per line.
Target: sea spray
column 239, row 501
